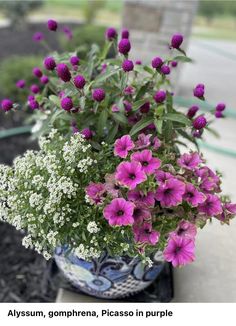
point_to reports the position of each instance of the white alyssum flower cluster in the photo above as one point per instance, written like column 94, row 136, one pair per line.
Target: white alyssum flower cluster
column 92, row 227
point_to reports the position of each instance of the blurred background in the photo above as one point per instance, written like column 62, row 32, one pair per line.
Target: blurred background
column 209, row 28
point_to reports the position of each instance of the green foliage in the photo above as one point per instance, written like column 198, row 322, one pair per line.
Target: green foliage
column 91, row 9
column 213, row 8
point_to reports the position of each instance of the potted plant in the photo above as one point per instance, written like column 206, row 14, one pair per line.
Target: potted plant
column 111, row 194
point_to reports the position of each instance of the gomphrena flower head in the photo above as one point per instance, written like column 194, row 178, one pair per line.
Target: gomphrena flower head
column 87, row 133
column 74, row 60
column 52, row 25
column 219, row 114
column 20, row 83
column 38, row 36
column 33, row 104
column 165, row 70
column 127, row 106
column 68, row 32
column 127, row 65
column 6, row 104
column 200, row 122
column 192, row 111
column 98, row 94
column 176, row 40
column 174, row 64
column 145, row 108
column 157, row 62
column 37, row 72
column 125, row 33
column 220, row 107
column 66, row 103
column 138, row 62
column 160, row 96
column 44, row 79
column 49, row 63
column 34, row 89
column 197, row 133
column 199, row 91
column 63, row 72
column 124, row 46
column 111, row 33
column 79, row 81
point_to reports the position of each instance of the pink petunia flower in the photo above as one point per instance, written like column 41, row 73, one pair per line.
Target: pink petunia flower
column 179, row 251
column 212, row 206
column 193, row 196
column 111, row 185
column 143, row 141
column 141, row 213
column 170, row 193
column 130, row 174
column 145, row 234
column 95, row 192
column 139, row 197
column 162, row 176
column 185, row 229
column 209, row 180
column 156, row 143
column 189, row 161
column 119, row 212
column 149, row 164
column 123, row 145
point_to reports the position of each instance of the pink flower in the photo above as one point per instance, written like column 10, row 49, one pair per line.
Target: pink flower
column 141, row 213
column 231, row 208
column 122, row 146
column 179, row 251
column 193, row 196
column 130, row 174
column 170, row 193
column 156, row 143
column 209, row 180
column 189, row 161
column 139, row 197
column 119, row 212
column 211, row 206
column 145, row 234
column 111, row 185
column 95, row 191
column 162, row 176
column 143, row 141
column 149, row 163
column 185, row 229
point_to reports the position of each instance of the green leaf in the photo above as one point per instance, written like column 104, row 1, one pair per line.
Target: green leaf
column 112, row 133
column 138, row 104
column 106, row 75
column 55, row 100
column 144, row 122
column 102, row 122
column 178, row 117
column 149, row 70
column 158, row 125
column 182, row 58
column 105, row 50
column 119, row 117
column 185, row 135
column 213, row 132
column 142, row 91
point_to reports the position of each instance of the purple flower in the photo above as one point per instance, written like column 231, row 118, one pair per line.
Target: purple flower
column 230, row 207
column 74, row 60
column 220, row 107
column 44, row 79
column 33, row 104
column 125, row 33
column 140, row 197
column 112, row 187
column 138, row 62
column 37, row 72
column 157, row 62
column 127, row 65
column 149, row 164
column 95, row 192
column 185, row 229
column 123, row 145
column 211, row 206
column 143, row 141
column 119, row 212
column 87, row 133
column 130, row 174
column 68, row 32
column 197, row 133
column 165, row 70
column 200, row 122
column 145, row 234
column 156, row 143
column 52, row 25
column 176, row 41
column 160, row 96
column 199, row 91
column 6, row 105
column 20, row 83
column 115, row 108
column 189, row 161
column 124, row 46
column 111, row 33
column 129, row 90
column 174, row 64
column 219, row 114
column 192, row 111
column 127, row 106
column 34, row 89
column 209, row 180
column 79, row 81
column 104, row 68
column 141, row 213
column 179, row 251
column 170, row 193
column 145, row 108
column 49, row 63
column 98, row 94
column 63, row 72
column 193, row 196
column 162, row 176
column 38, row 36
column 66, row 103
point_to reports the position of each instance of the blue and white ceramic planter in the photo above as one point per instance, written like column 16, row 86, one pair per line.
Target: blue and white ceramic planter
column 108, row 277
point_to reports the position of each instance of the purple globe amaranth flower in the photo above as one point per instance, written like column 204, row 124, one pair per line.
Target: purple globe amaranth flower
column 176, row 41
column 38, row 36
column 197, row 133
column 111, row 33
column 138, row 62
column 98, row 94
column 193, row 196
column 124, row 46
column 87, row 133
column 37, row 72
column 127, row 65
column 211, row 206
column 122, row 146
column 79, row 81
column 49, row 63
column 219, row 114
column 160, row 96
column 66, row 103
column 6, row 104
column 189, row 161
column 44, row 79
column 74, row 60
column 127, row 106
column 33, row 104
column 220, row 107
column 199, row 91
column 192, row 111
column 104, row 68
column 199, row 122
column 145, row 108
column 174, row 64
column 63, row 72
column 34, row 89
column 129, row 90
column 68, row 32
column 165, row 69
column 145, row 234
column 52, row 25
column 157, row 62
column 119, row 212
column 20, row 83
column 170, row 193
column 130, row 174
column 149, row 163
column 125, row 33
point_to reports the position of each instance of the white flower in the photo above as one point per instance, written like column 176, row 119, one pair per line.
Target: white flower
column 92, row 227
